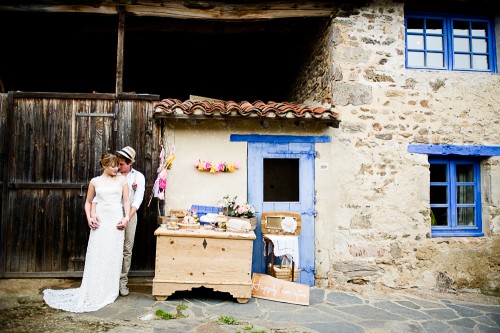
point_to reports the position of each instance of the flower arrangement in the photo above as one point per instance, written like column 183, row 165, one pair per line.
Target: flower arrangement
column 245, row 210
column 228, row 203
column 214, row 167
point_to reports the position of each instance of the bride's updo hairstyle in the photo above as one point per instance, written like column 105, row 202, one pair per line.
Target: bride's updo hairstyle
column 109, row 160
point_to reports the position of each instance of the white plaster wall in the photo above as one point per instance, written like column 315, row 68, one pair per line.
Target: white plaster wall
column 210, row 140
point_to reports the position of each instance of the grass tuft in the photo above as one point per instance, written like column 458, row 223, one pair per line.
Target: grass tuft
column 164, row 315
column 228, row 320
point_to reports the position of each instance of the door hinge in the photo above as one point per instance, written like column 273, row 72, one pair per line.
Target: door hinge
column 310, row 213
column 309, row 269
column 291, row 152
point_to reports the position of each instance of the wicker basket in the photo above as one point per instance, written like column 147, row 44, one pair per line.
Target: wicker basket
column 283, row 271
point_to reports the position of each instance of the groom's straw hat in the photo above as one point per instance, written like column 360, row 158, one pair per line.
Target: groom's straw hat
column 127, row 152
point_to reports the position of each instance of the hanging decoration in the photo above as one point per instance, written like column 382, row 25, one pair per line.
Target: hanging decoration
column 214, row 167
column 167, row 157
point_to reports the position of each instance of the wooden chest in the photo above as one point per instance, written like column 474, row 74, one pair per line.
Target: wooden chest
column 187, row 259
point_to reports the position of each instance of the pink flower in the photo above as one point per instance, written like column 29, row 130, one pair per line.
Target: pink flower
column 207, row 166
column 197, row 164
column 221, row 167
column 236, row 165
column 162, row 184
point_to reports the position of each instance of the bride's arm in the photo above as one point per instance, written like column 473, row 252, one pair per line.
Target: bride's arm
column 88, row 207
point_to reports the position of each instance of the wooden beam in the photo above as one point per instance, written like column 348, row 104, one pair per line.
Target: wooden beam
column 208, row 10
column 193, row 117
column 119, row 50
column 122, row 96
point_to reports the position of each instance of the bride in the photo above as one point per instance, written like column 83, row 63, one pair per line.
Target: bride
column 103, row 262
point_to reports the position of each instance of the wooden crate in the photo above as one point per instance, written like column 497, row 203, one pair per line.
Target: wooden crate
column 187, row 259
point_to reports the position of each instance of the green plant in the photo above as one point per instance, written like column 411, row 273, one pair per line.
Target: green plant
column 491, row 292
column 228, row 320
column 179, row 309
column 182, row 306
column 164, row 315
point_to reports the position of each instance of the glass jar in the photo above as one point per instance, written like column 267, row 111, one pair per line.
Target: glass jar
column 173, row 220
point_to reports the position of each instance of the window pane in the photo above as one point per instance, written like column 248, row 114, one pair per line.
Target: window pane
column 479, row 45
column 465, row 194
column 438, row 173
column 416, row 59
column 461, row 44
column 461, row 28
column 465, row 173
column 435, row 60
column 415, row 25
column 434, row 27
column 281, row 179
column 439, row 194
column 439, row 216
column 479, row 29
column 465, row 216
column 434, row 43
column 480, row 62
column 415, row 42
column 462, row 61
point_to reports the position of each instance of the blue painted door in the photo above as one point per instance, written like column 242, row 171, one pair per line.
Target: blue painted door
column 304, row 152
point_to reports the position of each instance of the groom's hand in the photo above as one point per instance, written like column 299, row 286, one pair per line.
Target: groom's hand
column 122, row 224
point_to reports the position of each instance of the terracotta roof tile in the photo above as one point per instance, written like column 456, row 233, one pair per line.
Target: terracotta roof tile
column 174, row 107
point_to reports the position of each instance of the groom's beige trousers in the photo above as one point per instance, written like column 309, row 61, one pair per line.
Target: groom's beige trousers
column 128, row 245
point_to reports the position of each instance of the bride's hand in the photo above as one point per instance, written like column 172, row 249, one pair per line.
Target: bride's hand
column 122, row 224
column 96, row 221
column 93, row 224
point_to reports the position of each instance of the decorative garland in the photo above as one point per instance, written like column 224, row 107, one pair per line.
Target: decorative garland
column 214, row 167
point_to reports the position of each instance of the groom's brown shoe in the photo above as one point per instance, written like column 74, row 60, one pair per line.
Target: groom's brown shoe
column 124, row 291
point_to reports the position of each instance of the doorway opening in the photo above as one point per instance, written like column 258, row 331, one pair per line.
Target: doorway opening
column 173, row 58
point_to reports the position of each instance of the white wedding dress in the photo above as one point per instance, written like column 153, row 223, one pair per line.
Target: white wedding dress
column 103, row 261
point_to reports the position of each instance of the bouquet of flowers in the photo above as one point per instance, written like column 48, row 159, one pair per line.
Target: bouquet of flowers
column 231, row 208
column 245, row 210
column 228, row 204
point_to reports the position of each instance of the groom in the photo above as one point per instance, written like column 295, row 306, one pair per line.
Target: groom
column 136, row 187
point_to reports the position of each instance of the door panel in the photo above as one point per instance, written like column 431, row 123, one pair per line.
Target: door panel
column 257, row 152
column 53, row 155
column 51, row 144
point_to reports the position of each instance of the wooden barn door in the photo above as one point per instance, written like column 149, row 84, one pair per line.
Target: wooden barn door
column 52, row 147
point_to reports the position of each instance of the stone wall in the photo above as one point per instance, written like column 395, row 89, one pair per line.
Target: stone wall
column 373, row 225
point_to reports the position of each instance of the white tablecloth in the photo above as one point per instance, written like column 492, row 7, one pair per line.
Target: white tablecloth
column 285, row 245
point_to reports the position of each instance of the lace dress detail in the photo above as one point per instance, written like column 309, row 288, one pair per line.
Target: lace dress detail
column 103, row 261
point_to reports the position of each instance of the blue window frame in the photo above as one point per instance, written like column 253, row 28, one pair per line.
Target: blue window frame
column 450, row 43
column 455, row 197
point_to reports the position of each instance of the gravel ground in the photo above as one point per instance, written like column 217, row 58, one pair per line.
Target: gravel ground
column 22, row 309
